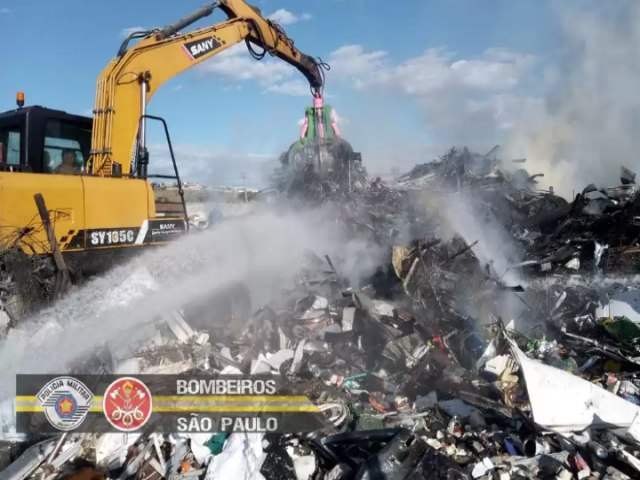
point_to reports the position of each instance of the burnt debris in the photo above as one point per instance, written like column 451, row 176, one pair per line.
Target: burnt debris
column 446, row 363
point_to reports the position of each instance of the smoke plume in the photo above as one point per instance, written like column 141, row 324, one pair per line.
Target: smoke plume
column 588, row 126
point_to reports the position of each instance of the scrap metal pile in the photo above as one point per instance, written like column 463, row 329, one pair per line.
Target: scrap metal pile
column 598, row 229
column 436, row 366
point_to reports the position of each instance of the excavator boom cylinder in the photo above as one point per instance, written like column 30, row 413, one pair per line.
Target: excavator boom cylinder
column 175, row 27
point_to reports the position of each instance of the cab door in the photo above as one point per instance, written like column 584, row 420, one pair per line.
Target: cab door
column 63, row 137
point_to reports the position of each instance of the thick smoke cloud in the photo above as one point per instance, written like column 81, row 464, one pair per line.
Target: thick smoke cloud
column 588, row 124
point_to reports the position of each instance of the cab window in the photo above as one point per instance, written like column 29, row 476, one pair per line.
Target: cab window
column 63, row 136
column 10, row 146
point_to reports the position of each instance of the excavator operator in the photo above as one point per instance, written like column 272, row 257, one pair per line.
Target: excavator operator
column 68, row 165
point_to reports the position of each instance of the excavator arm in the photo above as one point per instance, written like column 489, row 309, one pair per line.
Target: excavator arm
column 129, row 81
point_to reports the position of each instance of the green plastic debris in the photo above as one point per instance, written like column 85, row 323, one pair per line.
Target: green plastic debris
column 216, row 443
column 532, row 346
column 621, row 329
column 351, row 382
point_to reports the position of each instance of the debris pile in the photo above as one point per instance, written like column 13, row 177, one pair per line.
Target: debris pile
column 598, row 230
column 435, row 366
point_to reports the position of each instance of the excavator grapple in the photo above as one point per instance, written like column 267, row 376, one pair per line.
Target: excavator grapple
column 321, row 161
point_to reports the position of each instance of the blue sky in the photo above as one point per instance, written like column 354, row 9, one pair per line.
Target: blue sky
column 406, row 81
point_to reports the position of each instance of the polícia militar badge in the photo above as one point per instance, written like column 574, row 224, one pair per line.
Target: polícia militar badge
column 66, row 402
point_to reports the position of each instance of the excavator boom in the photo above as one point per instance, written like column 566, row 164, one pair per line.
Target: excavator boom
column 130, row 80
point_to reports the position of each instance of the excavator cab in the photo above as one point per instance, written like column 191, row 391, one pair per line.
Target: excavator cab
column 33, row 139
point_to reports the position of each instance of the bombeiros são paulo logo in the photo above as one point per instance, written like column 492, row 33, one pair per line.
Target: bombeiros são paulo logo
column 66, row 402
column 127, row 404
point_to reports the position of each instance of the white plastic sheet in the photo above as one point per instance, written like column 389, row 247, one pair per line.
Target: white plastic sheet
column 564, row 402
column 241, row 459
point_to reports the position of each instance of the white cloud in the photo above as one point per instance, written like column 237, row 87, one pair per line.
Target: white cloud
column 434, row 70
column 353, row 63
column 461, row 100
column 285, row 17
column 237, row 64
column 496, row 69
column 297, row 88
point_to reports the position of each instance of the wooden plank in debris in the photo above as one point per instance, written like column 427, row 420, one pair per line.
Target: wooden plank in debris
column 64, row 280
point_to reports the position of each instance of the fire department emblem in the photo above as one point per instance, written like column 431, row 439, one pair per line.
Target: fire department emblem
column 127, row 404
column 66, row 402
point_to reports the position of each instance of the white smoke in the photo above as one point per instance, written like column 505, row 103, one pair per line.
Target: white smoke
column 588, row 126
column 263, row 250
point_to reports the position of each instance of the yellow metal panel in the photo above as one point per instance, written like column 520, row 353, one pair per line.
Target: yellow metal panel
column 115, row 202
column 151, row 199
column 63, row 195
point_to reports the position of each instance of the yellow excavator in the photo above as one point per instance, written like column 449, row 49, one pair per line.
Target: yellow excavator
column 75, row 192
